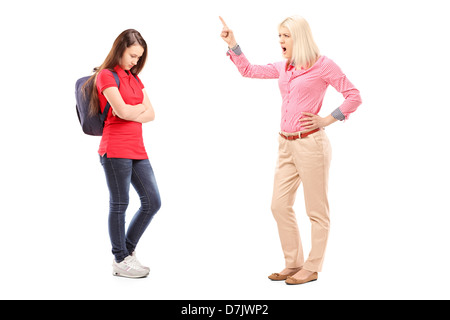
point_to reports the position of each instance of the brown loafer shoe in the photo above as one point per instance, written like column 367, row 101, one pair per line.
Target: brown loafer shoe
column 279, row 277
column 291, row 280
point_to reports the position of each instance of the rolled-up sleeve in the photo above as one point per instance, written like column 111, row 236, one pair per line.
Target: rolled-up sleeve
column 333, row 75
column 269, row 71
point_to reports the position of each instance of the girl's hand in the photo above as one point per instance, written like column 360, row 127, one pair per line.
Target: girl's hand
column 227, row 35
column 313, row 121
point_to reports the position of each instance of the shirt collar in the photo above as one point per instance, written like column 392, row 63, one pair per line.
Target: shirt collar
column 290, row 67
column 122, row 73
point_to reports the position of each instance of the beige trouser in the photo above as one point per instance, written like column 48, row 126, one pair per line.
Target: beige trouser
column 304, row 160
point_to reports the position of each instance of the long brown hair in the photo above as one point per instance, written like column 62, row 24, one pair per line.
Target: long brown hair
column 125, row 40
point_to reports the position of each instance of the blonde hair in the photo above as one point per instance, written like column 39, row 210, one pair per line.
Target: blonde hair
column 305, row 51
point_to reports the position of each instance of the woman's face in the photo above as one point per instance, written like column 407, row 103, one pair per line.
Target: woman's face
column 131, row 56
column 286, row 42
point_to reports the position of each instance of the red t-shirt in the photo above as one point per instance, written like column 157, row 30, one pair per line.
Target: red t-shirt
column 121, row 138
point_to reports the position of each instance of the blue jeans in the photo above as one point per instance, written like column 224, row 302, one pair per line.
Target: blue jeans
column 119, row 174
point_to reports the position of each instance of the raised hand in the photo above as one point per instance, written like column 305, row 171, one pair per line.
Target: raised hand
column 227, row 35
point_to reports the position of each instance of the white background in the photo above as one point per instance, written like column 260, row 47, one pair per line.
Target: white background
column 213, row 147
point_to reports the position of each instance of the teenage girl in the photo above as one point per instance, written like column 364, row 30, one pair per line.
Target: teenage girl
column 122, row 152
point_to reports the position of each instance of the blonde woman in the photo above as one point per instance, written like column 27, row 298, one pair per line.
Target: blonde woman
column 304, row 150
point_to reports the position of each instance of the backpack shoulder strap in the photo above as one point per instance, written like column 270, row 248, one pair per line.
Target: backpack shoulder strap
column 108, row 106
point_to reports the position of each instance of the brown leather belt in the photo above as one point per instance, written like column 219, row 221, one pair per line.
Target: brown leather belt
column 299, row 136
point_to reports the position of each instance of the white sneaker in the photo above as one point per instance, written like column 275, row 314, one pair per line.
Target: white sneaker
column 129, row 268
column 137, row 261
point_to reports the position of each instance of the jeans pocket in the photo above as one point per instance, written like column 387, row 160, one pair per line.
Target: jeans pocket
column 102, row 158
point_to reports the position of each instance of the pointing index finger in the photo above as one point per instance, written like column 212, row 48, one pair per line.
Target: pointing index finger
column 223, row 22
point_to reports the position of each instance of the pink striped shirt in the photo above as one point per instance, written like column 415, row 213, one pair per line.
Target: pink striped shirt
column 302, row 90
